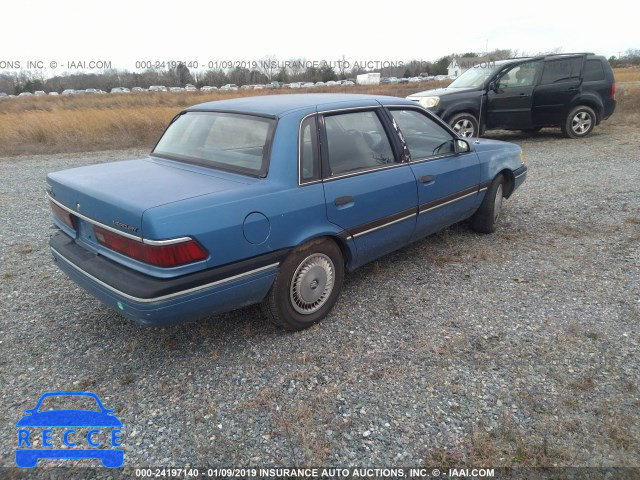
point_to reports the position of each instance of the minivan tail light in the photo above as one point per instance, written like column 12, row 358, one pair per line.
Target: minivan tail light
column 613, row 91
column 66, row 217
column 169, row 255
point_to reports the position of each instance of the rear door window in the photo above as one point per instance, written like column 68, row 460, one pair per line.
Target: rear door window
column 356, row 141
column 561, row 70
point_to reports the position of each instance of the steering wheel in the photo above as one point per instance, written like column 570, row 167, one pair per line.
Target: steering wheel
column 372, row 144
column 354, row 134
column 437, row 149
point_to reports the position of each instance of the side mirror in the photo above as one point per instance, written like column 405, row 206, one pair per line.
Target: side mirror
column 462, row 146
column 492, row 86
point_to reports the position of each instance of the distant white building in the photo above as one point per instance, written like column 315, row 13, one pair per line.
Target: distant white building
column 368, row 79
column 459, row 65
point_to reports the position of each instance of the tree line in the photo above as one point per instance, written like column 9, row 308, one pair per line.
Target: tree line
column 266, row 71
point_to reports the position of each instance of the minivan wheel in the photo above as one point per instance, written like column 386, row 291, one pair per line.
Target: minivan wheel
column 579, row 123
column 464, row 124
column 307, row 287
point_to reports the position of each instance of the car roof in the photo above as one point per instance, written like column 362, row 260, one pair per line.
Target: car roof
column 281, row 104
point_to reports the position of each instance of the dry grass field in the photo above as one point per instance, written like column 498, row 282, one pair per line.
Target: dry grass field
column 33, row 125
column 628, row 109
column 629, row 74
column 37, row 125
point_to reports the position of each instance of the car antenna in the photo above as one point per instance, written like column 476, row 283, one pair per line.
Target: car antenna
column 479, row 116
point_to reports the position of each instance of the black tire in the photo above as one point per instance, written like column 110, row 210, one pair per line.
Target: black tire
column 579, row 123
column 293, row 302
column 464, row 124
column 486, row 217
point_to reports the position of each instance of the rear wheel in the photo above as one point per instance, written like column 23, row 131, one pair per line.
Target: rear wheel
column 486, row 217
column 307, row 287
column 579, row 123
column 464, row 124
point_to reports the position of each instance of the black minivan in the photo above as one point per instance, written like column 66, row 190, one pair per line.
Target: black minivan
column 573, row 91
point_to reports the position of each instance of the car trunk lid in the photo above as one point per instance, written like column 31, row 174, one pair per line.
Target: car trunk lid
column 117, row 194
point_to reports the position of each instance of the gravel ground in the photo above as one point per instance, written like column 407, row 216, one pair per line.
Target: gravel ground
column 517, row 348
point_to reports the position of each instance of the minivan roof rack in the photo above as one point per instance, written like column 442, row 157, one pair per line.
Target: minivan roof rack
column 545, row 55
column 568, row 53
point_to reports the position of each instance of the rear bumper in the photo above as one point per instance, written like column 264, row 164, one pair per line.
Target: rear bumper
column 158, row 302
column 609, row 108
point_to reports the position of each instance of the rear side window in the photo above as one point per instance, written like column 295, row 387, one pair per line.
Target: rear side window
column 562, row 70
column 309, row 165
column 356, row 141
column 593, row 71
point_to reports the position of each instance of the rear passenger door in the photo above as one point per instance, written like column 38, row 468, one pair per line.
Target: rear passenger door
column 369, row 191
column 447, row 180
column 559, row 83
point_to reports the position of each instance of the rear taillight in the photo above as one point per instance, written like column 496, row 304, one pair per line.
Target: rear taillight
column 66, row 217
column 613, row 91
column 170, row 255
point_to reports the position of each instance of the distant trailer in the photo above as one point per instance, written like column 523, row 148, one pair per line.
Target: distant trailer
column 368, row 79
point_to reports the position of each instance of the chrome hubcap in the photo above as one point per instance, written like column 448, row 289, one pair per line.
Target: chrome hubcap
column 464, row 128
column 497, row 204
column 581, row 123
column 312, row 284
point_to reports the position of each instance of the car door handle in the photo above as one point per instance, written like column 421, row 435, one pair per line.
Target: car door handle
column 572, row 89
column 343, row 200
column 524, row 95
column 427, row 178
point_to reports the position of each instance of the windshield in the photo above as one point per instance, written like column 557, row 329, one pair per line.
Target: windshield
column 74, row 402
column 228, row 141
column 475, row 76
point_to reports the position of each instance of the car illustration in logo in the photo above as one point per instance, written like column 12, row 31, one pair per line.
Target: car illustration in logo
column 36, row 436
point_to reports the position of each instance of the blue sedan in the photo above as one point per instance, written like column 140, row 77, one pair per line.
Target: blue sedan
column 270, row 200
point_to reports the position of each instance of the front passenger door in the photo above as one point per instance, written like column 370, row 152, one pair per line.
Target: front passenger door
column 447, row 181
column 509, row 103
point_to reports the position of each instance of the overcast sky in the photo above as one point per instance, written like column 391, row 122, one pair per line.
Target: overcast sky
column 124, row 32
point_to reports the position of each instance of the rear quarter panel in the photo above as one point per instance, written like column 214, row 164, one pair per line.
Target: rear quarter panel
column 295, row 213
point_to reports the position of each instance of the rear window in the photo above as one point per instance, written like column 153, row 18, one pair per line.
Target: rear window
column 593, row 71
column 556, row 71
column 229, row 141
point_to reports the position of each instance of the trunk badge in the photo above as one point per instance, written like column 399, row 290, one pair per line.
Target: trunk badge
column 124, row 226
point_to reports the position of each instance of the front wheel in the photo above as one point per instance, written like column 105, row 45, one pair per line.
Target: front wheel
column 579, row 123
column 464, row 124
column 486, row 217
column 307, row 287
